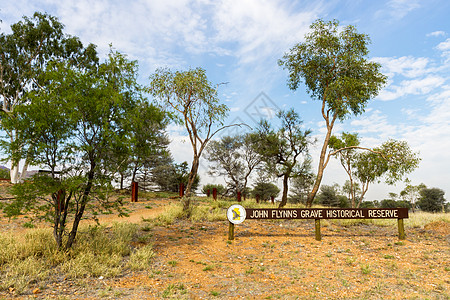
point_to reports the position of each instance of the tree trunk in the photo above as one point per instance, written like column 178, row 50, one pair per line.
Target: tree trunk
column 191, row 178
column 80, row 212
column 285, row 191
column 14, row 173
column 322, row 164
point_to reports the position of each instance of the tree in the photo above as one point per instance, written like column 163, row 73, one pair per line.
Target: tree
column 328, row 196
column 192, row 100
column 24, row 55
column 234, row 157
column 71, row 123
column 144, row 126
column 345, row 148
column 411, row 193
column 208, row 188
column 265, row 190
column 169, row 176
column 282, row 150
column 333, row 64
column 390, row 162
column 301, row 184
column 432, row 200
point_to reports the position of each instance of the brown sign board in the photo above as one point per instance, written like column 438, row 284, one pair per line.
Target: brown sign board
column 326, row 213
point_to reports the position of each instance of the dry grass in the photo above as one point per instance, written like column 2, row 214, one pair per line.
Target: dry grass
column 98, row 251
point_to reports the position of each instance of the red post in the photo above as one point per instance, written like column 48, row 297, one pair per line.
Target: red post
column 215, row 193
column 272, row 198
column 134, row 191
column 181, row 190
column 239, row 199
column 60, row 200
column 208, row 193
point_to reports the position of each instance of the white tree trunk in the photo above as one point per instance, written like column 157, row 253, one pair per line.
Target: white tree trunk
column 14, row 173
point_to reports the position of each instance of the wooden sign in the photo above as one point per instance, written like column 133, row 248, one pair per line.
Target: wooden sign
column 326, row 213
column 237, row 214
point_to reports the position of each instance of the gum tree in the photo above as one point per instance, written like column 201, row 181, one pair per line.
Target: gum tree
column 24, row 55
column 284, row 151
column 390, row 162
column 235, row 158
column 333, row 64
column 71, row 123
column 192, row 101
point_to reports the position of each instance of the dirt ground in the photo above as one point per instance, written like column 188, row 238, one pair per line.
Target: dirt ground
column 276, row 260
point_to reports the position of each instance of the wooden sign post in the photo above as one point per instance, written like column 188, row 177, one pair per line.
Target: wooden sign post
column 240, row 214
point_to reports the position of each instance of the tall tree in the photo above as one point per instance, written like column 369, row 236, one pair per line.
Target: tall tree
column 147, row 141
column 333, row 64
column 283, row 150
column 390, row 162
column 24, row 55
column 73, row 121
column 411, row 194
column 192, row 99
column 234, row 157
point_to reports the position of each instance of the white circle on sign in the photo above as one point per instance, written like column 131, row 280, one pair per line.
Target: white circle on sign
column 236, row 214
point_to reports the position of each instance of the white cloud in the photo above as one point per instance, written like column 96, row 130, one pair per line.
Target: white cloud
column 374, row 125
column 437, row 33
column 411, row 87
column 444, row 46
column 407, row 66
column 398, row 9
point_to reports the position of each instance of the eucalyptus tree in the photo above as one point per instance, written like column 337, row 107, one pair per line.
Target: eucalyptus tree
column 147, row 141
column 193, row 102
column 24, row 55
column 71, row 123
column 234, row 157
column 284, row 151
column 411, row 193
column 332, row 63
column 391, row 162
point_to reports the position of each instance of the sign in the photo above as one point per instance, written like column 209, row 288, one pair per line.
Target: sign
column 326, row 213
column 236, row 214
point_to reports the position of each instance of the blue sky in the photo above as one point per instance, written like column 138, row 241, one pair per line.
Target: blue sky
column 239, row 42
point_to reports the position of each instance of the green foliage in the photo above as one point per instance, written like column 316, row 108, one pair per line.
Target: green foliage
column 69, row 126
column 284, row 151
column 169, row 176
column 28, row 55
column 4, row 174
column 333, row 64
column 234, row 157
column 411, row 193
column 220, row 188
column 432, row 200
column 265, row 190
column 390, row 203
column 192, row 100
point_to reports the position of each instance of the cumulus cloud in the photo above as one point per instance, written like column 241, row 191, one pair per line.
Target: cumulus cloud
column 444, row 46
column 407, row 66
column 421, row 86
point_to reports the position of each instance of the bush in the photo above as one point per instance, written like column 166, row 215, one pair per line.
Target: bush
column 432, row 200
column 389, row 203
column 265, row 190
column 4, row 173
column 220, row 189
